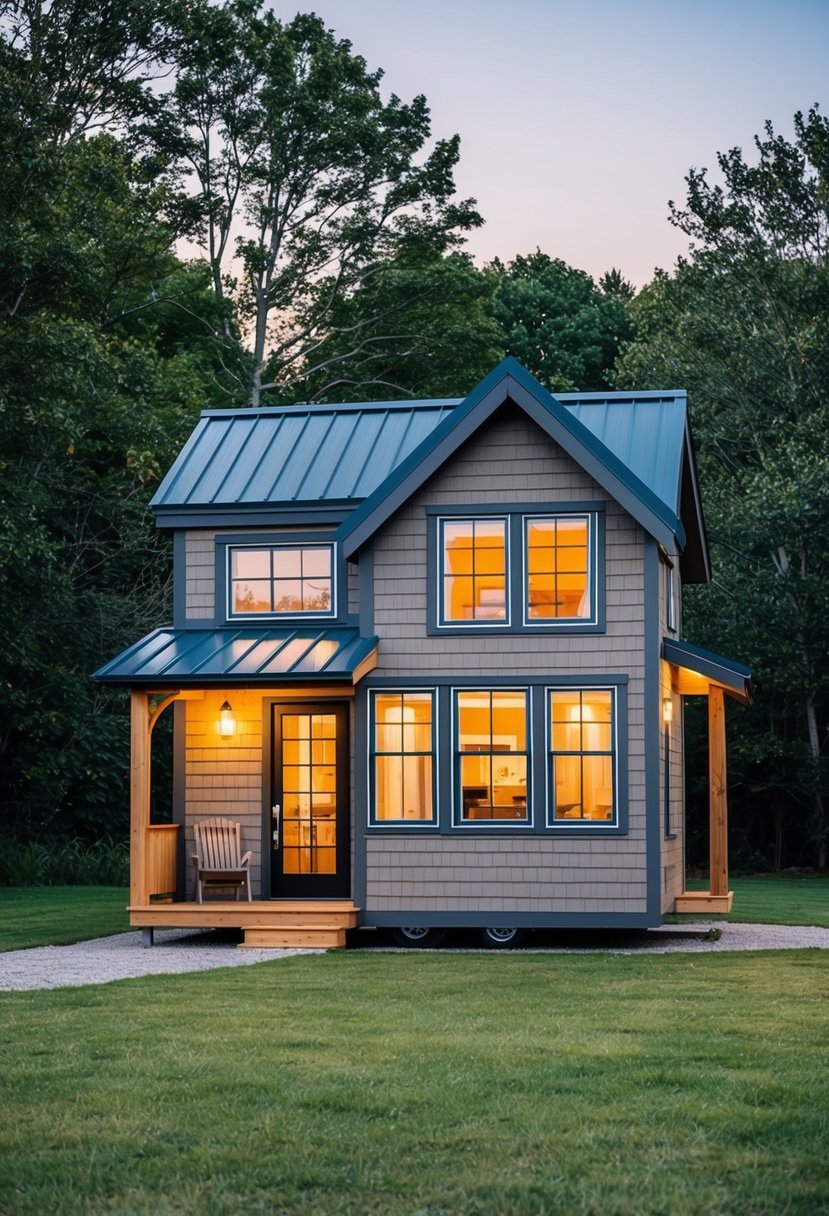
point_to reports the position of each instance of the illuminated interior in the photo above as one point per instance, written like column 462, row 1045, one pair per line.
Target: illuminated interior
column 474, row 570
column 281, row 579
column 309, row 793
column 557, row 566
column 403, row 756
column 492, row 742
column 582, row 754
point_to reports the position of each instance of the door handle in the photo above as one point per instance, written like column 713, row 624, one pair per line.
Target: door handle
column 275, row 809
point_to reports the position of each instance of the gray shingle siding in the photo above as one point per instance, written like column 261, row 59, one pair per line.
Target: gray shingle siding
column 511, row 461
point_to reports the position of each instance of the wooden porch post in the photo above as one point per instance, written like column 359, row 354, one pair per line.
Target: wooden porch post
column 139, row 795
column 717, row 792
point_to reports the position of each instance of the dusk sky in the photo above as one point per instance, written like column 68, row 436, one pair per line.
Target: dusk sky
column 580, row 120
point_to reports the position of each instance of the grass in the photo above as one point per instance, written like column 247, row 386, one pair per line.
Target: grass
column 56, row 916
column 369, row 1084
column 774, row 899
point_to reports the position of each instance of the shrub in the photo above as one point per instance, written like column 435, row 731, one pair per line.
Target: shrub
column 72, row 863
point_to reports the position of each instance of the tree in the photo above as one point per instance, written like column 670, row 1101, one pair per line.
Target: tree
column 301, row 176
column 103, row 368
column 744, row 324
column 557, row 323
column 420, row 325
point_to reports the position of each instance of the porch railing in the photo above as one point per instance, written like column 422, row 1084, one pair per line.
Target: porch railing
column 160, row 876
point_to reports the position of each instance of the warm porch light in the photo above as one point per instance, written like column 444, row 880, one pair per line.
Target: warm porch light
column 227, row 723
column 667, row 710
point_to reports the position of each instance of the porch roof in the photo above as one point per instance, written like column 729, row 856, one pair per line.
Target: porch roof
column 734, row 677
column 226, row 657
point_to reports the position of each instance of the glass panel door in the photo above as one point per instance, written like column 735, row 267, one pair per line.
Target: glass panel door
column 310, row 822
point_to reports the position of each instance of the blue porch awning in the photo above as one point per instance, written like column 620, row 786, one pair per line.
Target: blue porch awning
column 734, row 677
column 182, row 658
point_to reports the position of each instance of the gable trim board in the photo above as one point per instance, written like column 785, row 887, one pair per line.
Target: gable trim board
column 511, row 383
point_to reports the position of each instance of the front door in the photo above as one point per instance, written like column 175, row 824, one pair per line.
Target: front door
column 310, row 800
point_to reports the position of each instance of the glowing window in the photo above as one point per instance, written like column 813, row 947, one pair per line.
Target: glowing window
column 582, row 756
column 474, row 570
column 403, row 750
column 289, row 580
column 491, row 755
column 557, row 567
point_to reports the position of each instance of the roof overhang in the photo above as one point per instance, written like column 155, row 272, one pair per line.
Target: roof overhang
column 510, row 382
column 695, row 670
column 206, row 658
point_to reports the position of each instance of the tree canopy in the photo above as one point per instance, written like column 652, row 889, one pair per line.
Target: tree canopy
column 744, row 325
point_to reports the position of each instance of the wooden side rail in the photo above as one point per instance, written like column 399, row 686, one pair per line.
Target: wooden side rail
column 162, row 841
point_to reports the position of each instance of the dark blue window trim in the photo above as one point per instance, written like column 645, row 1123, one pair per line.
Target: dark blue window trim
column 618, row 824
column 268, row 540
column 414, row 825
column 515, row 514
column 537, row 777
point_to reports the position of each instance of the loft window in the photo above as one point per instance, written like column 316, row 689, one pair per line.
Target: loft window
column 402, row 757
column 282, row 580
column 474, row 570
column 557, row 564
column 491, row 756
column 582, row 757
column 514, row 570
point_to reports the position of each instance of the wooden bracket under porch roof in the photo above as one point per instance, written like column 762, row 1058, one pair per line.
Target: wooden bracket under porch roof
column 696, row 672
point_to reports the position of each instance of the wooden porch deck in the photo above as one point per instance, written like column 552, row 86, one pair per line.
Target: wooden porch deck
column 318, row 924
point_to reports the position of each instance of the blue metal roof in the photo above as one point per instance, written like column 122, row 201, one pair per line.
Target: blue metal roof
column 309, row 457
column 181, row 657
column 646, row 431
column 295, row 454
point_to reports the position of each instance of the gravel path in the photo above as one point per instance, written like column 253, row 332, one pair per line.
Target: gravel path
column 122, row 957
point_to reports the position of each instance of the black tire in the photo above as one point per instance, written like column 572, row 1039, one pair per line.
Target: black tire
column 496, row 938
column 416, row 937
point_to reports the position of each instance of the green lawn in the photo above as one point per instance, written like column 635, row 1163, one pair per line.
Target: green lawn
column 439, row 1084
column 56, row 916
column 775, row 900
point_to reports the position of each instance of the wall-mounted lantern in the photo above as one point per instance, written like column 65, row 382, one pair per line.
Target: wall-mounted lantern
column 227, row 723
column 667, row 710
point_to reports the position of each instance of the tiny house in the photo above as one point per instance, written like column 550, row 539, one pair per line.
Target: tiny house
column 428, row 654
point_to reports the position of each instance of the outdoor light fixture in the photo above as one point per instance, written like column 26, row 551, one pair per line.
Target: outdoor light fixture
column 227, row 723
column 667, row 710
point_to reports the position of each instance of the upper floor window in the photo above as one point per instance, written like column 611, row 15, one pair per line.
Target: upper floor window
column 518, row 570
column 474, row 569
column 557, row 552
column 277, row 580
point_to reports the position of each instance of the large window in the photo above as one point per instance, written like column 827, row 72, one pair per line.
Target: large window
column 491, row 755
column 474, row 570
column 403, row 757
column 517, row 571
column 281, row 580
column 582, row 756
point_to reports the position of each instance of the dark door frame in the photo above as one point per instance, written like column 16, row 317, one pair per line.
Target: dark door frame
column 337, row 886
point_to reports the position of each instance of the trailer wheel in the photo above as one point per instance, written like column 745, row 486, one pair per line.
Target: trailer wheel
column 417, row 936
column 496, row 938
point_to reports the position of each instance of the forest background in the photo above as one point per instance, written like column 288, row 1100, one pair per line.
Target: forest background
column 203, row 206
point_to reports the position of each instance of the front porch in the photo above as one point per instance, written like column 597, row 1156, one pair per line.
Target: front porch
column 691, row 671
column 315, row 924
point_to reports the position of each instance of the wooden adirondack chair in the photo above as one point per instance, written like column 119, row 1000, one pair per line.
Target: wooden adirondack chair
column 218, row 861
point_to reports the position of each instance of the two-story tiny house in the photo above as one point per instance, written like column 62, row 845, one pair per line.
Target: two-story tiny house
column 428, row 655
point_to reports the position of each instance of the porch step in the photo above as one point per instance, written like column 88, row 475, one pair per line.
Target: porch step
column 702, row 901
column 314, row 937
